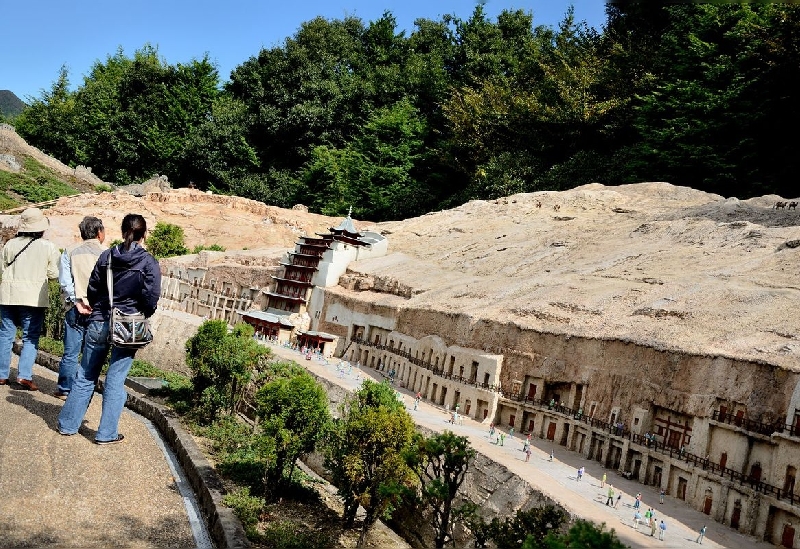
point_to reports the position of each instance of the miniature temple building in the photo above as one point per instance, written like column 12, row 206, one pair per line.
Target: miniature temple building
column 269, row 325
column 318, row 341
column 316, row 262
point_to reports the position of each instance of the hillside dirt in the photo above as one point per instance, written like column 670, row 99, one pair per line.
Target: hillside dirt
column 652, row 263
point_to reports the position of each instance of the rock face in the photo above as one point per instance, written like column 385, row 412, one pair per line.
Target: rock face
column 655, row 264
column 658, row 308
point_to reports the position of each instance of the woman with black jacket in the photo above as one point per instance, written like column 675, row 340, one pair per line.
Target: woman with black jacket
column 136, row 286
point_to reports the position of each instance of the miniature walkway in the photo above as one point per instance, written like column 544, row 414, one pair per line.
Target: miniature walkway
column 58, row 491
column 557, row 479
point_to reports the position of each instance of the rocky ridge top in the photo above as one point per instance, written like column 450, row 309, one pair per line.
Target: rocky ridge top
column 652, row 263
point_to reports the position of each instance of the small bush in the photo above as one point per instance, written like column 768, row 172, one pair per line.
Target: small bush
column 248, row 508
column 285, row 534
column 52, row 346
column 213, row 248
column 166, row 240
column 103, row 188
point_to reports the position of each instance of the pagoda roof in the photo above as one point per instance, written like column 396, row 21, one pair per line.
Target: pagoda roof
column 318, row 335
column 323, row 244
column 305, row 255
column 286, row 264
column 286, row 297
column 346, row 226
column 269, row 318
column 292, row 281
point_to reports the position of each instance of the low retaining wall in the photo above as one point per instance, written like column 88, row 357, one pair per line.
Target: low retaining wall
column 225, row 528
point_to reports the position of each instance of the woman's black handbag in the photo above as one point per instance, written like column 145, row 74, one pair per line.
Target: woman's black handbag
column 127, row 331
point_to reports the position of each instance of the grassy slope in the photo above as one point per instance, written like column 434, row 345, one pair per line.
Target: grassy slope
column 34, row 183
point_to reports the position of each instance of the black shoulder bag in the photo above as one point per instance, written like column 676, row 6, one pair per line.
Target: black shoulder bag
column 128, row 331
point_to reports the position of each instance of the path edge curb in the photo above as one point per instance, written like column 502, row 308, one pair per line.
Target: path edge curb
column 224, row 526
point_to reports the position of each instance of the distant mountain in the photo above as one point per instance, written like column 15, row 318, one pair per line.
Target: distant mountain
column 10, row 104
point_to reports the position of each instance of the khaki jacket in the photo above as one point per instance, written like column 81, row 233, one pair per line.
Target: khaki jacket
column 25, row 281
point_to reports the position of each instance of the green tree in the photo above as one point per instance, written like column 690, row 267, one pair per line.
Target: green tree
column 364, row 453
column 130, row 117
column 222, row 363
column 717, row 111
column 530, row 527
column 216, row 153
column 292, row 409
column 166, row 240
column 49, row 122
column 581, row 535
column 441, row 462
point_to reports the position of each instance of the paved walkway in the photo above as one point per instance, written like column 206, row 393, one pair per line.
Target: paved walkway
column 58, row 491
column 557, row 479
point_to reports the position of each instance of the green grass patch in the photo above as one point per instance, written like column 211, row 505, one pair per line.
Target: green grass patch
column 35, row 183
column 52, row 346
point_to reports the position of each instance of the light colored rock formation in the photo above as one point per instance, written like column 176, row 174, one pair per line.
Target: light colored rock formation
column 661, row 308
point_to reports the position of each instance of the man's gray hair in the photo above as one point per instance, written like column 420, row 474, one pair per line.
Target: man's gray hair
column 90, row 227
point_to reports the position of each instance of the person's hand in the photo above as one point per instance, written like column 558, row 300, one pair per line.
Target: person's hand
column 83, row 308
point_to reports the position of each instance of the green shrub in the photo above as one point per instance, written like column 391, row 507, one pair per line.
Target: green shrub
column 51, row 346
column 103, row 188
column 213, row 248
column 286, row 534
column 166, row 240
column 222, row 363
column 248, row 508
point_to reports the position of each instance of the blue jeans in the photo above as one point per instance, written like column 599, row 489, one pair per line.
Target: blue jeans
column 95, row 350
column 30, row 319
column 74, row 332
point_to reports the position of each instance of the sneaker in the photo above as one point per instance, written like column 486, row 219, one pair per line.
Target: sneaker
column 27, row 384
column 119, row 438
column 60, row 395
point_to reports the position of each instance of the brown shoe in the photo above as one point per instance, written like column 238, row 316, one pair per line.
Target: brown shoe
column 60, row 395
column 3, row 381
column 27, row 384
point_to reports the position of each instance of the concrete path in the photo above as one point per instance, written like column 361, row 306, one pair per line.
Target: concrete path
column 557, row 479
column 58, row 491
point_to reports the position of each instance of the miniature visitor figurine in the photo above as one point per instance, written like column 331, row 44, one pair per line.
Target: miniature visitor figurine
column 702, row 535
column 661, row 496
column 610, row 500
column 527, row 453
column 603, row 481
column 661, row 529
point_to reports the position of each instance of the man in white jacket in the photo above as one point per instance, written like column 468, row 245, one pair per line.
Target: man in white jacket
column 76, row 266
column 27, row 261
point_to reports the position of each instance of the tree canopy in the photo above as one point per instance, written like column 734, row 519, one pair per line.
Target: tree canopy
column 364, row 453
column 351, row 113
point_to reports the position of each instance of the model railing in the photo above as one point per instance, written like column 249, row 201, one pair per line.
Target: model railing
column 747, row 424
column 434, row 369
column 649, row 441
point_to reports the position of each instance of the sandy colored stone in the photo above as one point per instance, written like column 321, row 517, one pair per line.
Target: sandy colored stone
column 58, row 491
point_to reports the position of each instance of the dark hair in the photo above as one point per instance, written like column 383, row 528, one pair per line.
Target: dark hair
column 133, row 228
column 90, row 227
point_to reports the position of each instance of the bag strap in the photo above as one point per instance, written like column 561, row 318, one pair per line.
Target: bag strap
column 20, row 252
column 110, row 281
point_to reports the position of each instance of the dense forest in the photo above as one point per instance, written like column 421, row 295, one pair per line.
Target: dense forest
column 346, row 113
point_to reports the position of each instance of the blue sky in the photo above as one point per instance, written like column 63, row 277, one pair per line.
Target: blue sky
column 38, row 37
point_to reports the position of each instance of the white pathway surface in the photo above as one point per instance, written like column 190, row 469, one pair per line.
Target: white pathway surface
column 557, row 478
